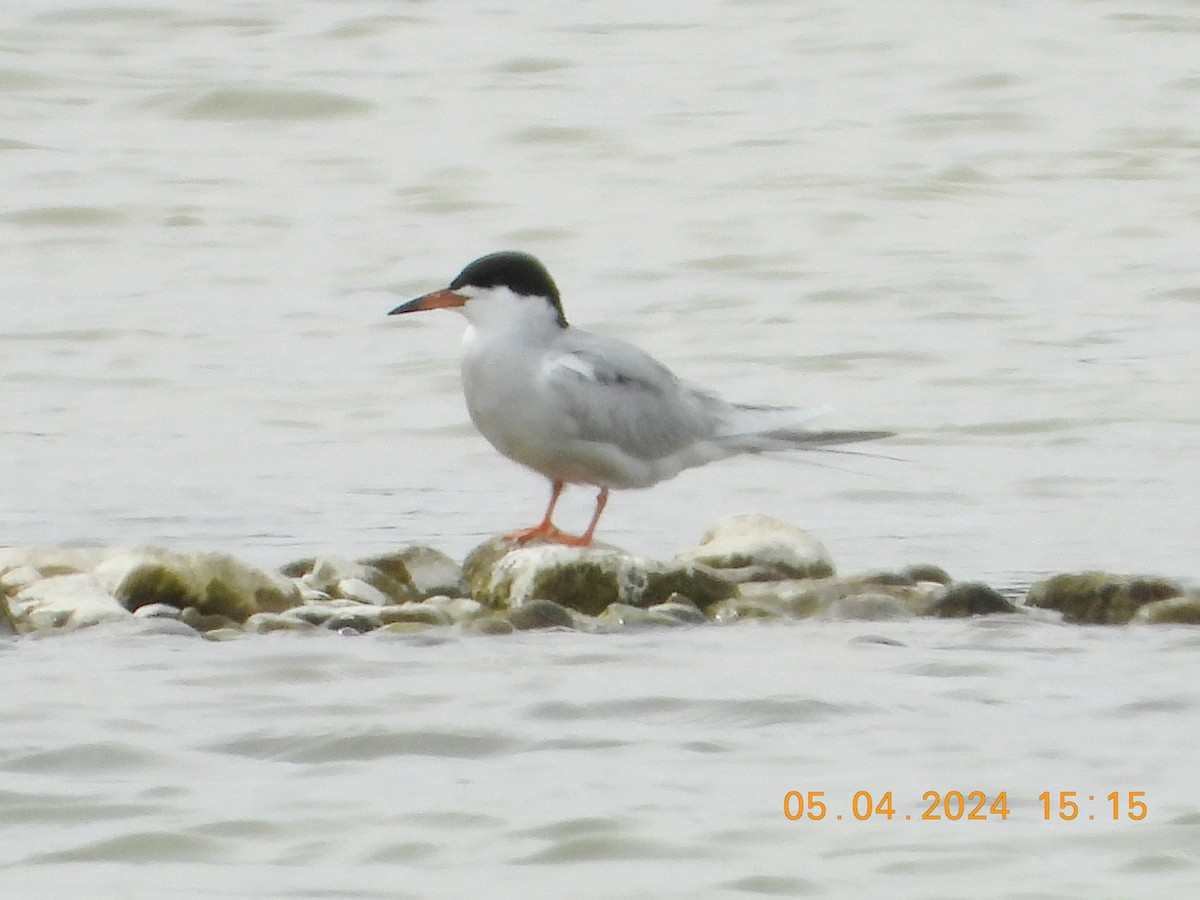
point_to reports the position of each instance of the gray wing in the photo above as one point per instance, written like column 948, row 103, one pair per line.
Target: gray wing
column 615, row 393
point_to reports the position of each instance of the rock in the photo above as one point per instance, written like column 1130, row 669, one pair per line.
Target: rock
column 868, row 606
column 320, row 612
column 488, row 625
column 343, row 579
column 18, row 577
column 927, row 572
column 459, row 609
column 1100, row 598
column 429, row 571
column 621, row 615
column 681, row 609
column 970, row 598
column 212, row 583
column 538, row 613
column 403, row 628
column 265, row 623
column 8, row 625
column 410, row 613
column 586, row 579
column 1183, row 610
column 357, row 589
column 223, row 634
column 206, row 622
column 158, row 611
column 830, row 597
column 298, row 568
column 66, row 601
column 361, row 619
column 760, row 548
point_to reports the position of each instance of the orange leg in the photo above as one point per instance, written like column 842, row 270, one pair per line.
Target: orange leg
column 547, row 529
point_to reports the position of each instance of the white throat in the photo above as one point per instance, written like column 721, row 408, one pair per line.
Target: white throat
column 498, row 311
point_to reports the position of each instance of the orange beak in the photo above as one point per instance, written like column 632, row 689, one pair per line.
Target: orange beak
column 443, row 299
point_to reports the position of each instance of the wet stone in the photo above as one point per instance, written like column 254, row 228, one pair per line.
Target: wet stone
column 362, row 591
column 362, row 620
column 492, row 624
column 681, row 609
column 344, row 579
column 427, row 570
column 215, row 583
column 1100, row 598
column 540, row 614
column 868, row 607
column 223, row 634
column 459, row 609
column 206, row 622
column 64, row 601
column 403, row 628
column 761, row 548
column 1173, row 611
column 264, row 623
column 158, row 611
column 970, row 598
column 585, row 579
column 928, row 572
column 414, row 614
column 662, row 615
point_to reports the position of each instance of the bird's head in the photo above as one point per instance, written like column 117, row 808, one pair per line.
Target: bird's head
column 504, row 288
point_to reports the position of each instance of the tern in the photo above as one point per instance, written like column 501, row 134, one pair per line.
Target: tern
column 582, row 408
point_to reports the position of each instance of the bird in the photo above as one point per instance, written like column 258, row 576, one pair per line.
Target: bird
column 584, row 408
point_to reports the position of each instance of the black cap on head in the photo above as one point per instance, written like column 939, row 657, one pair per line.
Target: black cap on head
column 520, row 272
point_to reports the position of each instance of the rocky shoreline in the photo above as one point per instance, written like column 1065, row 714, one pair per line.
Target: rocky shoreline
column 745, row 567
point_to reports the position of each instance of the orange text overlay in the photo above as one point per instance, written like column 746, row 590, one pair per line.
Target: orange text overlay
column 967, row 806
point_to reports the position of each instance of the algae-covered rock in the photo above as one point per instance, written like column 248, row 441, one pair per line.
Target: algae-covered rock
column 970, row 598
column 1100, row 598
column 928, row 572
column 206, row 622
column 428, row 571
column 585, row 579
column 760, row 548
column 1183, row 610
column 212, row 583
column 67, row 602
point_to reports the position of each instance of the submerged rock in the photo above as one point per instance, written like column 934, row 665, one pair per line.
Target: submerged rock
column 585, row 579
column 1100, row 598
column 760, row 548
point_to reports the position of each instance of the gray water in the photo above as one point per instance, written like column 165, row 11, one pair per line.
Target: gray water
column 974, row 224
